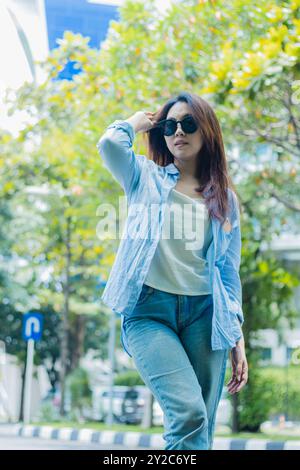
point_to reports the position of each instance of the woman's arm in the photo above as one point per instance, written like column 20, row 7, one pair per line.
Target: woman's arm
column 115, row 148
column 117, row 155
column 232, row 283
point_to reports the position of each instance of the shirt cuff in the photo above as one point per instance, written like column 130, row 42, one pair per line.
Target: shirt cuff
column 236, row 308
column 125, row 126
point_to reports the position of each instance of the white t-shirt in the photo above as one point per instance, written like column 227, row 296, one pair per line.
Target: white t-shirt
column 178, row 265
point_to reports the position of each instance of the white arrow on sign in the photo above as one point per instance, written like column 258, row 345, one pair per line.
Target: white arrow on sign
column 32, row 324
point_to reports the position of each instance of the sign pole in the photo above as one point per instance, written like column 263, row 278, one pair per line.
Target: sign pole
column 31, row 332
column 28, row 380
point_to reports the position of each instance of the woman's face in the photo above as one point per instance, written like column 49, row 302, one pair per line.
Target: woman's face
column 193, row 142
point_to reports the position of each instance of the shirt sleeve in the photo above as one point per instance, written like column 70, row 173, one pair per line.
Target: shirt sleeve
column 115, row 149
column 230, row 270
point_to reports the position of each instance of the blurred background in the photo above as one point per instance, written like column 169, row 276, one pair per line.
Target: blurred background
column 68, row 69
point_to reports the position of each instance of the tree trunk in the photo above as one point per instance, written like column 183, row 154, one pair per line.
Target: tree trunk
column 235, row 414
column 65, row 320
column 78, row 340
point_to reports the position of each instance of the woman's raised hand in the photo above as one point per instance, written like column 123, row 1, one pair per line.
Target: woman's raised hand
column 142, row 121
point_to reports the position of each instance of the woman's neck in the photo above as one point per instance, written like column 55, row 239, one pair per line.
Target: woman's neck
column 187, row 169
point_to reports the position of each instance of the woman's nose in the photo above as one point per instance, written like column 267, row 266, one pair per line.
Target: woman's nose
column 180, row 128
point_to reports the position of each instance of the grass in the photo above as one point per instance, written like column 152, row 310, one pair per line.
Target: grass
column 158, row 430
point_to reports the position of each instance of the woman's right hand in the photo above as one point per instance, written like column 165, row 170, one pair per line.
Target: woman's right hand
column 239, row 367
column 142, row 121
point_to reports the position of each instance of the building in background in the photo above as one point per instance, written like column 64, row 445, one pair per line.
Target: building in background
column 88, row 17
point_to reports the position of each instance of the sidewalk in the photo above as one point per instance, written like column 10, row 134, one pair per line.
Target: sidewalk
column 134, row 440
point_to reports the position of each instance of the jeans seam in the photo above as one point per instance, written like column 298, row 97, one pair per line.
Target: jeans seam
column 210, row 427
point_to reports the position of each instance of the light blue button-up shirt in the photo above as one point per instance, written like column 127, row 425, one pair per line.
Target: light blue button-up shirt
column 148, row 185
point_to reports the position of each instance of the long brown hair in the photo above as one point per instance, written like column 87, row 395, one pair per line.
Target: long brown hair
column 211, row 169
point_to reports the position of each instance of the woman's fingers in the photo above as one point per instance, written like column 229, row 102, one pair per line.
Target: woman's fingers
column 231, row 381
column 232, row 386
column 150, row 115
column 238, row 387
column 235, row 384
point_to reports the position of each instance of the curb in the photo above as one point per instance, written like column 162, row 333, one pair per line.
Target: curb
column 136, row 439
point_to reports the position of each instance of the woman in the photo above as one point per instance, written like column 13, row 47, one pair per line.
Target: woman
column 179, row 297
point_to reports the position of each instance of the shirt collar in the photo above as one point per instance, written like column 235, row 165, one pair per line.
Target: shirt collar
column 171, row 168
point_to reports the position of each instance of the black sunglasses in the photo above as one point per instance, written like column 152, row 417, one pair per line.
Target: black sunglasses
column 169, row 126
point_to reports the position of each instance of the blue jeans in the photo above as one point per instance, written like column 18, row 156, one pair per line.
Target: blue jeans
column 169, row 336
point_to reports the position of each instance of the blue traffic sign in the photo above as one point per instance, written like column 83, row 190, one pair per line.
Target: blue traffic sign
column 32, row 326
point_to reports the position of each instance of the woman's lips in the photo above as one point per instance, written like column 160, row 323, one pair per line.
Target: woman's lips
column 180, row 145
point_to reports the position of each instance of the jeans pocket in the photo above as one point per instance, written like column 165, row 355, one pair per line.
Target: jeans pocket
column 145, row 293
